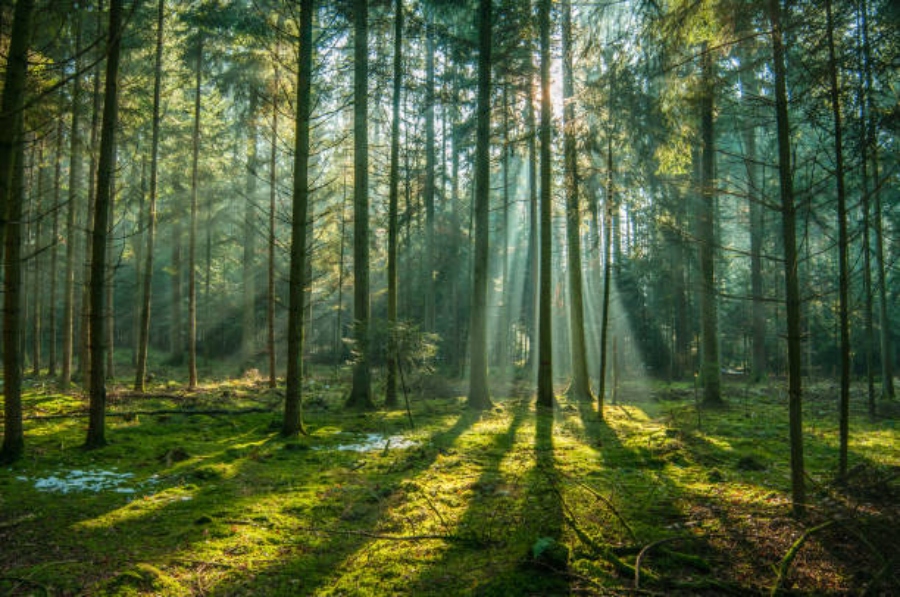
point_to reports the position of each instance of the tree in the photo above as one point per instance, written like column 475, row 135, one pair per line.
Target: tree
column 12, row 166
column 791, row 262
column 545, row 330
column 710, row 367
column 147, row 285
column 293, row 422
column 479, row 393
column 105, row 173
column 192, row 235
column 390, row 390
column 843, row 243
column 580, row 387
column 361, row 392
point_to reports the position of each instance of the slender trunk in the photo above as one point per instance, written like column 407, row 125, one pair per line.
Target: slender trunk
column 361, row 392
column 248, row 262
column 607, row 274
column 75, row 163
column 147, row 286
column 54, row 255
column 580, row 387
column 105, row 174
column 390, row 397
column 843, row 236
column 273, row 196
column 36, row 298
column 293, row 409
column 531, row 274
column 96, row 112
column 757, row 214
column 792, row 284
column 865, row 207
column 709, row 369
column 545, row 329
column 429, row 190
column 479, row 393
column 192, row 237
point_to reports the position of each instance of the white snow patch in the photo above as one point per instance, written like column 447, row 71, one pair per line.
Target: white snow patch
column 373, row 441
column 86, row 480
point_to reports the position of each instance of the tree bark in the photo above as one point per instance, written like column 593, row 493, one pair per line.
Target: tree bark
column 147, row 285
column 192, row 235
column 709, row 369
column 272, row 240
column 791, row 277
column 361, row 392
column 580, row 388
column 479, row 393
column 105, row 176
column 248, row 261
column 390, row 392
column 843, row 242
column 545, row 329
column 293, row 417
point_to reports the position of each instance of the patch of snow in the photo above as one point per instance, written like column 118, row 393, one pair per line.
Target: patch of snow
column 90, row 480
column 373, row 441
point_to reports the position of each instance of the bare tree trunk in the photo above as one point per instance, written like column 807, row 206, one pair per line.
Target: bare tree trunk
column 36, row 298
column 843, row 242
column 791, row 263
column 293, row 417
column 192, row 238
column 147, row 286
column 429, row 190
column 75, row 166
column 12, row 158
column 273, row 196
column 709, row 369
column 248, row 262
column 361, row 392
column 607, row 274
column 479, row 393
column 390, row 393
column 580, row 387
column 105, row 176
column 54, row 255
column 545, row 329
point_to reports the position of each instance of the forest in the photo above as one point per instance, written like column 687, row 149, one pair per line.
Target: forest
column 449, row 297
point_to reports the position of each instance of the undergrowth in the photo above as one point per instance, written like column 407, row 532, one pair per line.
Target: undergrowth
column 206, row 498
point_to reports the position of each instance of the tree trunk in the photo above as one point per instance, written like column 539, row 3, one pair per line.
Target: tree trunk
column 479, row 393
column 390, row 392
column 293, row 418
column 843, row 259
column 105, row 174
column 192, row 237
column 36, row 298
column 272, row 241
column 607, row 274
column 429, row 190
column 248, row 262
column 545, row 329
column 53, row 331
column 12, row 175
column 580, row 388
column 709, row 369
column 361, row 392
column 791, row 277
column 147, row 285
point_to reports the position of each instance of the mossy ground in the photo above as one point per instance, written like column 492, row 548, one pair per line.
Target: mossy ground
column 506, row 502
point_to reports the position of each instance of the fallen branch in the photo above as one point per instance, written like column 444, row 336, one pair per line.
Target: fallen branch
column 643, row 552
column 788, row 558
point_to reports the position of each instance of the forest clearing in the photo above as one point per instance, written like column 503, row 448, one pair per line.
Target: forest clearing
column 661, row 498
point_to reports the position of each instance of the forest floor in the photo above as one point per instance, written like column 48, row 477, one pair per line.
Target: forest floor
column 197, row 494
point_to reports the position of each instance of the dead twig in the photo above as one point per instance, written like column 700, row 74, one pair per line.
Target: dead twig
column 788, row 558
